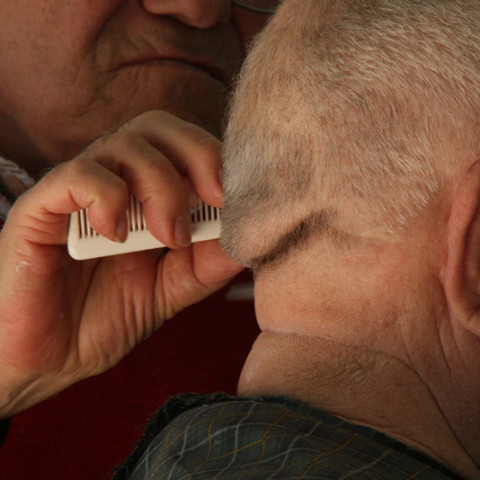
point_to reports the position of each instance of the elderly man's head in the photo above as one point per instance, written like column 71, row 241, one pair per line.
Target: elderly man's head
column 353, row 190
column 350, row 118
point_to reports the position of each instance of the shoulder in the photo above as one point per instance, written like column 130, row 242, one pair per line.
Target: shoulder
column 268, row 438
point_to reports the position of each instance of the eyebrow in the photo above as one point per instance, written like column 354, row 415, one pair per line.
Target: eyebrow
column 315, row 223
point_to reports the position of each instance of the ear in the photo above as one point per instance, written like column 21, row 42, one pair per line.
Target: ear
column 462, row 269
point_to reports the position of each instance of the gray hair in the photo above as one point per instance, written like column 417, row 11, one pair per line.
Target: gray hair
column 362, row 108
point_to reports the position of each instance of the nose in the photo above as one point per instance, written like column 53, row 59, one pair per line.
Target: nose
column 194, row 13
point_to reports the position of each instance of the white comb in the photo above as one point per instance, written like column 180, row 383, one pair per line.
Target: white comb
column 84, row 243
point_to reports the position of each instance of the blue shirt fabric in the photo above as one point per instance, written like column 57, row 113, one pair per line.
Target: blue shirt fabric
column 222, row 437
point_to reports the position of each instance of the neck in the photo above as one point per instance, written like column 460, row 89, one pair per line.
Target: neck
column 330, row 351
column 359, row 386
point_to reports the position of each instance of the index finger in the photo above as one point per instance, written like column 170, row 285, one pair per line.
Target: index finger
column 195, row 153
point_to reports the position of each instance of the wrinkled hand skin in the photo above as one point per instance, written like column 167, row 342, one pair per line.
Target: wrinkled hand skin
column 63, row 320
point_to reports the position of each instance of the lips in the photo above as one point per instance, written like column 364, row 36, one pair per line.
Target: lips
column 144, row 40
column 215, row 71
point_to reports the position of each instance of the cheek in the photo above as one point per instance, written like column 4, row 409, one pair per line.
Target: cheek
column 93, row 106
column 37, row 59
column 187, row 92
column 80, row 22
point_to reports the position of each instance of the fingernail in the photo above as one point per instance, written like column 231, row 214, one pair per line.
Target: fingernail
column 220, row 186
column 183, row 236
column 122, row 229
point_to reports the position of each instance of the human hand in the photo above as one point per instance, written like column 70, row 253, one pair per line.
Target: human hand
column 62, row 320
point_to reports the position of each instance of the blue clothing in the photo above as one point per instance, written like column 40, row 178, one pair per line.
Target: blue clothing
column 221, row 437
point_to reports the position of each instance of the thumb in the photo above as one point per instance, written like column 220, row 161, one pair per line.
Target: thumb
column 192, row 274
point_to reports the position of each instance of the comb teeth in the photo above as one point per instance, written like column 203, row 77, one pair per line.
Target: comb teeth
column 84, row 242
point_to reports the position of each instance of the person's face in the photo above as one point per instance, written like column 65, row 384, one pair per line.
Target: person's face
column 72, row 69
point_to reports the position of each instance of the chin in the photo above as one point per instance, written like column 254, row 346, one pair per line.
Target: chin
column 84, row 130
column 190, row 93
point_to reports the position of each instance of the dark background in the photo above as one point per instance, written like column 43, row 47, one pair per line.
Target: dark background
column 84, row 432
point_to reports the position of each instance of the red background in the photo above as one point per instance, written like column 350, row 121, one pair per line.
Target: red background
column 85, row 431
